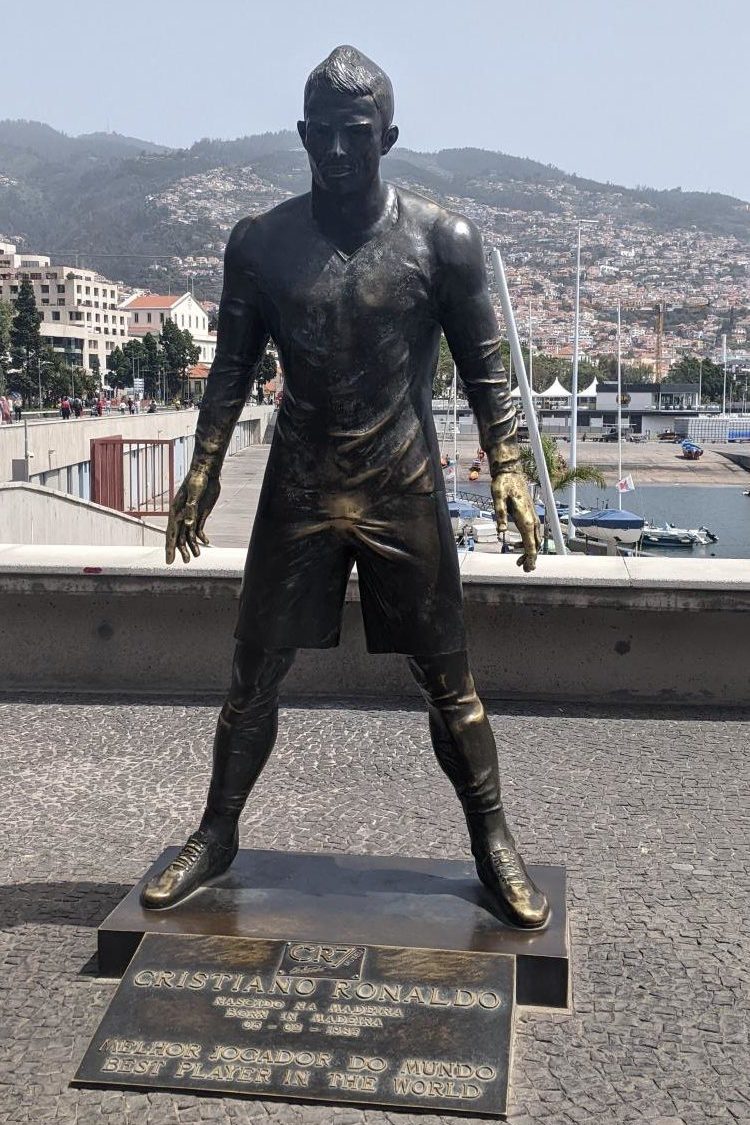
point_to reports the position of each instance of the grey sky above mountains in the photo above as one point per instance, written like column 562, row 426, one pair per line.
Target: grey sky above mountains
column 650, row 92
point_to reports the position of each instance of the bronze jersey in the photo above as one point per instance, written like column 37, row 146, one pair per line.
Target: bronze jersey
column 358, row 337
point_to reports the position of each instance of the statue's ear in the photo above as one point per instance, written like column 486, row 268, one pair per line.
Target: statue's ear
column 389, row 139
column 301, row 130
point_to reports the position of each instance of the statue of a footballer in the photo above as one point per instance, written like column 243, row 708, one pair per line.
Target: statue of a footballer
column 354, row 282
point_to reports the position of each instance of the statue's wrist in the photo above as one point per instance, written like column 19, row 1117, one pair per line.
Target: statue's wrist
column 502, row 468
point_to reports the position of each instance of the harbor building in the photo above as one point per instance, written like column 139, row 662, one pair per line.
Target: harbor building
column 80, row 311
column 149, row 312
column 647, row 408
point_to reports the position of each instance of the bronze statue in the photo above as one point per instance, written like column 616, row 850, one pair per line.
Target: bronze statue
column 354, row 282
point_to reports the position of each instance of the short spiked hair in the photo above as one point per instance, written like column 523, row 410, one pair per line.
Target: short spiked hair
column 348, row 71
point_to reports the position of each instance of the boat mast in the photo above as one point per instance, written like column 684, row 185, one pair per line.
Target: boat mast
column 619, row 405
column 455, row 432
column 573, row 459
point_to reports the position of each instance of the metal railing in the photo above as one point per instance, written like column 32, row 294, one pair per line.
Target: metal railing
column 131, row 476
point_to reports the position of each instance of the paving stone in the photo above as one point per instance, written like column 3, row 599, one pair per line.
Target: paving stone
column 648, row 809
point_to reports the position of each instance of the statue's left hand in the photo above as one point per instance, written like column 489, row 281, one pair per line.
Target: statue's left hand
column 511, row 497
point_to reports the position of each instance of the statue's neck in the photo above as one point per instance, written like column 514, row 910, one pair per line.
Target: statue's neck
column 350, row 217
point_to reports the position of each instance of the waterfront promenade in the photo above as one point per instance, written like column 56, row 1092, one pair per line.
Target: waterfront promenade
column 648, row 810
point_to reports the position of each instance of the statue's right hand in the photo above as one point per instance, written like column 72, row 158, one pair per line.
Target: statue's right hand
column 188, row 512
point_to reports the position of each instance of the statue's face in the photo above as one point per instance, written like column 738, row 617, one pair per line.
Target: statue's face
column 344, row 139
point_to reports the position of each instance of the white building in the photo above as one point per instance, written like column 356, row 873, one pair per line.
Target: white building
column 148, row 312
column 80, row 313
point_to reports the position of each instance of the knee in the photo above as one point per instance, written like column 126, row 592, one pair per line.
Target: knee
column 256, row 677
column 448, row 685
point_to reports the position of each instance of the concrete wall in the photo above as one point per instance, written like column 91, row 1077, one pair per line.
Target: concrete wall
column 55, row 444
column 40, row 516
column 599, row 630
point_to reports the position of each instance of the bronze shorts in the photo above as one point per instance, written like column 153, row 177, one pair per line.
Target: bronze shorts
column 301, row 556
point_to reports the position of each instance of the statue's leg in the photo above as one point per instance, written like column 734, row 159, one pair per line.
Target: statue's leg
column 245, row 736
column 465, row 748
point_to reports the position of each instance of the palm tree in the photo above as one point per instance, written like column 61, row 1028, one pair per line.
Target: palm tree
column 560, row 474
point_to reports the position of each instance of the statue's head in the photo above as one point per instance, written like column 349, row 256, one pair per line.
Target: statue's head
column 347, row 127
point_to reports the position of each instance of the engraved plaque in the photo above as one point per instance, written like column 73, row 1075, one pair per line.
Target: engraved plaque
column 322, row 1021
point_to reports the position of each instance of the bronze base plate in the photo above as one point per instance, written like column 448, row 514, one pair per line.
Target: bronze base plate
column 415, row 1028
column 355, row 899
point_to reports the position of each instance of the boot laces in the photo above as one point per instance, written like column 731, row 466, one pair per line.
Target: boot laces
column 191, row 853
column 507, row 866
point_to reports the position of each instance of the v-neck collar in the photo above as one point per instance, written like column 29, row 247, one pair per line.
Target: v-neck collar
column 386, row 223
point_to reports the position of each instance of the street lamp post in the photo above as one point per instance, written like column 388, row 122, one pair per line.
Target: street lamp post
column 724, row 391
column 573, row 460
column 700, row 382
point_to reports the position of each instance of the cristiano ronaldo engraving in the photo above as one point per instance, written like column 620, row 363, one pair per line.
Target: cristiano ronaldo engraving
column 354, row 283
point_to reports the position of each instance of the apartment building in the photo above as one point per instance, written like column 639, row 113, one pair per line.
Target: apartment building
column 148, row 312
column 80, row 310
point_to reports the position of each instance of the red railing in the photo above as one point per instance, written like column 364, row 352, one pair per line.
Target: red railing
column 136, row 477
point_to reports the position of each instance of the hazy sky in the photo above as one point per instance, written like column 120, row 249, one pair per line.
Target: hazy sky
column 634, row 91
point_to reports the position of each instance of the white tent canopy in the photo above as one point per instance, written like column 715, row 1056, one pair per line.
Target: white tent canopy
column 590, row 391
column 515, row 393
column 556, row 390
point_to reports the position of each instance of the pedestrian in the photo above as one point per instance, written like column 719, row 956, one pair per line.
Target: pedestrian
column 131, row 406
column 17, row 407
column 4, row 410
column 100, row 406
column 65, row 407
column 77, row 407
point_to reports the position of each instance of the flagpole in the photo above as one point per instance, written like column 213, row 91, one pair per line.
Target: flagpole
column 619, row 405
column 552, row 517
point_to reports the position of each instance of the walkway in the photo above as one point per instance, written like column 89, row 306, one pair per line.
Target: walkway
column 649, row 812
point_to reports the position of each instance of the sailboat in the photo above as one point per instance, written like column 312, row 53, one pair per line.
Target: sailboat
column 613, row 526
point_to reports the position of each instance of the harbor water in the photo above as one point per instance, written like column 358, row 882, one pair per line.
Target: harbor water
column 724, row 510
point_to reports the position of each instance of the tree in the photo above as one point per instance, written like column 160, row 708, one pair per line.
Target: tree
column 6, row 319
column 560, row 475
column 267, row 369
column 118, row 367
column 442, row 382
column 711, row 377
column 25, row 338
column 179, row 353
column 152, row 361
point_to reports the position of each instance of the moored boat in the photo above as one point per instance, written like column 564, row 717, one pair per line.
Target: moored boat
column 610, row 525
column 667, row 535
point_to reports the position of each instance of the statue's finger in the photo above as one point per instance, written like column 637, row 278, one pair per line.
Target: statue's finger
column 200, row 533
column 181, row 544
column 192, row 543
column 171, row 539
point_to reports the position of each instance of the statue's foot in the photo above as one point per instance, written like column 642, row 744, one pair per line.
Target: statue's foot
column 515, row 894
column 202, row 858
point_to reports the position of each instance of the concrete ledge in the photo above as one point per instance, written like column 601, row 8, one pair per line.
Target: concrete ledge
column 117, row 618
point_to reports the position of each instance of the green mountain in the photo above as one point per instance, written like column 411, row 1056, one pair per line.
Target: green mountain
column 136, row 210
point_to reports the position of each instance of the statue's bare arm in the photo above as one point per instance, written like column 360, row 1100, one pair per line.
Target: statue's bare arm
column 241, row 341
column 470, row 325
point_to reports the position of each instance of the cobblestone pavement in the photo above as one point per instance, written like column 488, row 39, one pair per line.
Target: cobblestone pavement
column 648, row 812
